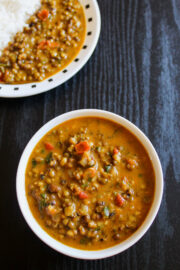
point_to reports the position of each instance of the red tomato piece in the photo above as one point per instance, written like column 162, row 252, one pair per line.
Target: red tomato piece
column 52, row 44
column 46, row 43
column 43, row 45
column 43, row 14
column 49, row 146
column 115, row 151
column 119, row 200
column 82, row 195
column 82, row 147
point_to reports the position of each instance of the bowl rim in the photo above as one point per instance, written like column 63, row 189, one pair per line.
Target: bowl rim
column 91, row 10
column 34, row 225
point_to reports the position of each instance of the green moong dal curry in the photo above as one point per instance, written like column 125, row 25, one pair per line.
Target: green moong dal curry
column 90, row 183
column 51, row 40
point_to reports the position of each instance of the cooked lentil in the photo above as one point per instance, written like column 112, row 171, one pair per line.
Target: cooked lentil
column 51, row 40
column 85, row 204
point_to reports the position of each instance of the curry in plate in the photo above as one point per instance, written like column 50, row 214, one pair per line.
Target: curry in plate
column 51, row 40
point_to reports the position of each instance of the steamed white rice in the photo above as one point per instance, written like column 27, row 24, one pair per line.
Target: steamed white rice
column 13, row 17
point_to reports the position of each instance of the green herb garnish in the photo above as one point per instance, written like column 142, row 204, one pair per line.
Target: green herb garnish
column 98, row 228
column 48, row 157
column 42, row 203
column 84, row 185
column 34, row 163
column 140, row 175
column 107, row 168
column 43, row 195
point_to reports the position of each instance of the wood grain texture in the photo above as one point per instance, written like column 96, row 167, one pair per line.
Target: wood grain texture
column 134, row 72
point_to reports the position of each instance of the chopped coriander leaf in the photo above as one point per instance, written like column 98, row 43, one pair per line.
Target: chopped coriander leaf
column 89, row 179
column 48, row 157
column 107, row 168
column 34, row 163
column 84, row 185
column 43, row 195
column 140, row 175
column 42, row 204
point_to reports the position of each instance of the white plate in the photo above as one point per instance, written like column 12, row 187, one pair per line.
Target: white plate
column 93, row 22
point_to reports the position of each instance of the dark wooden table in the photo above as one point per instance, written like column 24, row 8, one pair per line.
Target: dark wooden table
column 134, row 72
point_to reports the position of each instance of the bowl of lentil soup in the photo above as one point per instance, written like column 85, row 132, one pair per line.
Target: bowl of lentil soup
column 89, row 184
column 56, row 43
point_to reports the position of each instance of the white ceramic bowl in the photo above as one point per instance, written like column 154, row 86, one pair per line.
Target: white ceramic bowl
column 93, row 22
column 21, row 195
